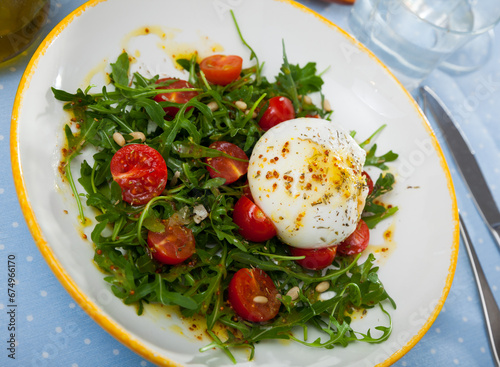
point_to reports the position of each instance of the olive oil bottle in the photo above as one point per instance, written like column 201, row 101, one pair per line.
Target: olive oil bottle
column 20, row 25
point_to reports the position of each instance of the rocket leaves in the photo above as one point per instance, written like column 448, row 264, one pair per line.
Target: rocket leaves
column 198, row 286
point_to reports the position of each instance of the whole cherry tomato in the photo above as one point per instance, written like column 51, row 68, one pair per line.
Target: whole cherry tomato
column 356, row 242
column 246, row 191
column 315, row 259
column 369, row 182
column 253, row 223
column 280, row 109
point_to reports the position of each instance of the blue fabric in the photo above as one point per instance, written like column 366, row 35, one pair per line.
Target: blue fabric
column 51, row 330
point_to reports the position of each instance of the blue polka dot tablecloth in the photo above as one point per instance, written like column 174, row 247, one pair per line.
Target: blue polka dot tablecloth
column 52, row 330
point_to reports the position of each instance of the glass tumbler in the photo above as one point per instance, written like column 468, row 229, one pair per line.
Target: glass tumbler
column 413, row 37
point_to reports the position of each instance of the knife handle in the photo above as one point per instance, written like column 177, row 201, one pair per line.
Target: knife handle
column 495, row 230
column 490, row 307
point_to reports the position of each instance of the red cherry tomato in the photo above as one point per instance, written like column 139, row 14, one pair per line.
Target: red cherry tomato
column 140, row 171
column 369, row 182
column 176, row 97
column 253, row 223
column 225, row 167
column 357, row 241
column 315, row 259
column 280, row 109
column 172, row 246
column 252, row 294
column 221, row 69
column 247, row 192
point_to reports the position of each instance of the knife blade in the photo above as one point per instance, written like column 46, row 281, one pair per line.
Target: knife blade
column 465, row 160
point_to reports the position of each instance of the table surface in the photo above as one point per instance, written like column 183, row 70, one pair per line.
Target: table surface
column 52, row 330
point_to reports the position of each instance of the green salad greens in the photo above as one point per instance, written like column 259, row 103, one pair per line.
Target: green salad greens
column 199, row 285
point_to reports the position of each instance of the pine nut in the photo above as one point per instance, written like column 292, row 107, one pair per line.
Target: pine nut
column 213, row 106
column 293, row 292
column 322, row 287
column 137, row 135
column 174, row 179
column 241, row 105
column 254, row 114
column 308, row 100
column 260, row 299
column 119, row 139
column 326, row 105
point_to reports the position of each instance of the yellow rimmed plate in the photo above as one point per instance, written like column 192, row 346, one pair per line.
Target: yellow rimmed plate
column 416, row 250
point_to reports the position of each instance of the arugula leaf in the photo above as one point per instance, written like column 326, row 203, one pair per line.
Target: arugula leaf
column 373, row 160
column 119, row 73
column 199, row 285
column 286, row 82
column 253, row 55
column 153, row 109
column 306, row 79
column 375, row 212
column 78, row 99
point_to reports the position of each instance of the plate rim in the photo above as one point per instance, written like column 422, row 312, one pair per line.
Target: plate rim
column 90, row 307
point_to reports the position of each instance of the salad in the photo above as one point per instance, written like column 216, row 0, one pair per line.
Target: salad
column 177, row 220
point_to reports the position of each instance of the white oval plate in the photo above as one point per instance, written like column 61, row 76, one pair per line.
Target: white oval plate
column 418, row 270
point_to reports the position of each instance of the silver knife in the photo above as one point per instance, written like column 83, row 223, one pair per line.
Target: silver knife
column 490, row 307
column 466, row 162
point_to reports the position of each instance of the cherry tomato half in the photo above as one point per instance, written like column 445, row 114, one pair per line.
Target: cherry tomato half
column 280, row 109
column 315, row 259
column 225, row 167
column 369, row 182
column 176, row 97
column 172, row 246
column 357, row 241
column 253, row 223
column 140, row 171
column 252, row 294
column 221, row 69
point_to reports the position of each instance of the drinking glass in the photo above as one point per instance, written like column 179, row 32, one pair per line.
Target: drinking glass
column 20, row 25
column 413, row 37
